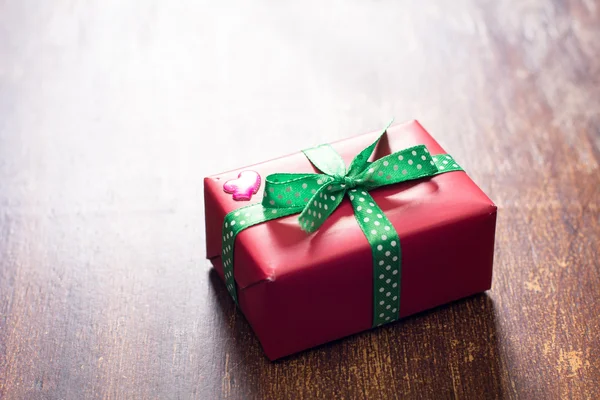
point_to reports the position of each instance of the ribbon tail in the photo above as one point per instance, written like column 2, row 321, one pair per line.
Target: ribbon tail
column 362, row 159
column 319, row 208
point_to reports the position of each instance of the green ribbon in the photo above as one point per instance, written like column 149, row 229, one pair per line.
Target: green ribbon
column 316, row 196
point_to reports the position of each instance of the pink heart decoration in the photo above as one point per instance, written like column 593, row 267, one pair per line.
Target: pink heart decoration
column 242, row 188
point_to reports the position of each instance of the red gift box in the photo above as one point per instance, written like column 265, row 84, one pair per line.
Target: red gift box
column 300, row 290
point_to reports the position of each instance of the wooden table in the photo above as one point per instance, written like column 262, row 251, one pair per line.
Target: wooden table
column 112, row 112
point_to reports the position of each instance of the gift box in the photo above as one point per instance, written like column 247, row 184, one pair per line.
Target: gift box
column 313, row 250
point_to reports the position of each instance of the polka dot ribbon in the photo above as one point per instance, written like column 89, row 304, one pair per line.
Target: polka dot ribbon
column 316, row 196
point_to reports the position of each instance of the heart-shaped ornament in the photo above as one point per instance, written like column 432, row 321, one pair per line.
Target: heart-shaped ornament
column 242, row 188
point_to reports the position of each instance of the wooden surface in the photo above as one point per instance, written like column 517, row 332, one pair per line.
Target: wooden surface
column 112, row 112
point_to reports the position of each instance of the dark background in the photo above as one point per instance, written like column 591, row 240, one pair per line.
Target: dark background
column 112, row 112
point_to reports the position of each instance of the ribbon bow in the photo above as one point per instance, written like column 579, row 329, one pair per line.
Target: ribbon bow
column 316, row 196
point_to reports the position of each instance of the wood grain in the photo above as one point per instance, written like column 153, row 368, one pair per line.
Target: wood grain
column 112, row 112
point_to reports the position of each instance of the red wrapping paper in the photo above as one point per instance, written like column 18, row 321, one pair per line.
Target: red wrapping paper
column 298, row 290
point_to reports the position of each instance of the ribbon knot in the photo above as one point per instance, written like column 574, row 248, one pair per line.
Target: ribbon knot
column 349, row 183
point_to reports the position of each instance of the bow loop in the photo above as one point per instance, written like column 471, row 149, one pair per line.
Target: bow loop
column 401, row 166
column 326, row 159
column 291, row 190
